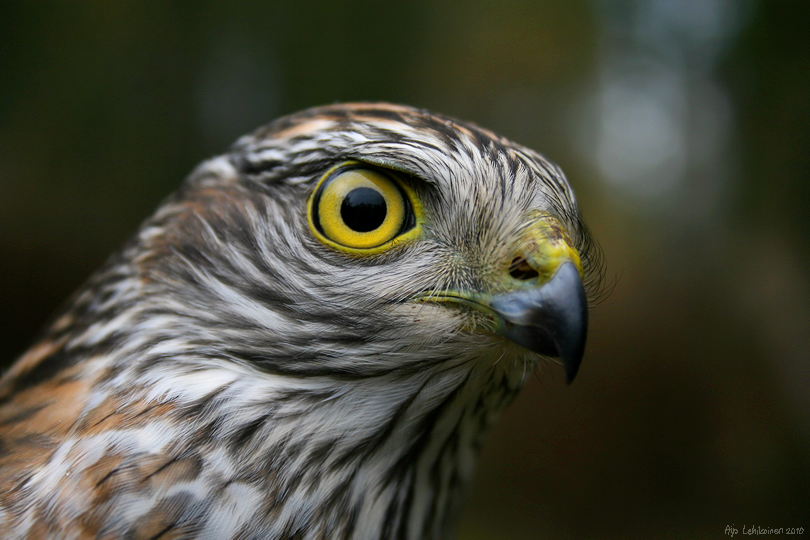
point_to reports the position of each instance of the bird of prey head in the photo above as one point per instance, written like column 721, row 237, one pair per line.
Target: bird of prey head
column 307, row 340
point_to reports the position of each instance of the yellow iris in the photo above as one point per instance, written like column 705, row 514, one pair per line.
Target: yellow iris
column 359, row 208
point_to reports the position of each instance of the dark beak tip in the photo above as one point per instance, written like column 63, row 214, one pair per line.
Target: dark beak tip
column 571, row 366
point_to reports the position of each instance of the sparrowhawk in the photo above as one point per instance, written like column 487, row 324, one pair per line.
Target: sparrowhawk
column 307, row 340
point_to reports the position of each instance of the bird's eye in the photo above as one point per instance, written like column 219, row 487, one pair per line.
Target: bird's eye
column 359, row 208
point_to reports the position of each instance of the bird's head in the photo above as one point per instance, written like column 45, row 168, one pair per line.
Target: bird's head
column 364, row 239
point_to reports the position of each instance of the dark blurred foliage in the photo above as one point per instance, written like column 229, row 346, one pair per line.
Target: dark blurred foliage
column 682, row 125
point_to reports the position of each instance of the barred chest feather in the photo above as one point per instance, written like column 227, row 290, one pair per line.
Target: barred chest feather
column 306, row 341
column 267, row 459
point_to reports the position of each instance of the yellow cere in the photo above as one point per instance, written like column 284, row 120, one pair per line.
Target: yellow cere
column 548, row 246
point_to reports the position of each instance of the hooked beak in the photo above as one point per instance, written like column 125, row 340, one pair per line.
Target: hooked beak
column 540, row 304
column 551, row 319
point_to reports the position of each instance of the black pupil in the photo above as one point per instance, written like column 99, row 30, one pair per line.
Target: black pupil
column 363, row 209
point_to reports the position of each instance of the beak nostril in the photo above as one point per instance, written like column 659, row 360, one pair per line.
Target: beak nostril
column 520, row 269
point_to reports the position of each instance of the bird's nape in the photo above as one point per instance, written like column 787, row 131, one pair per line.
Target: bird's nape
column 307, row 340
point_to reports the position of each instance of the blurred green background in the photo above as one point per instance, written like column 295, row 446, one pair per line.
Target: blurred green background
column 683, row 126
